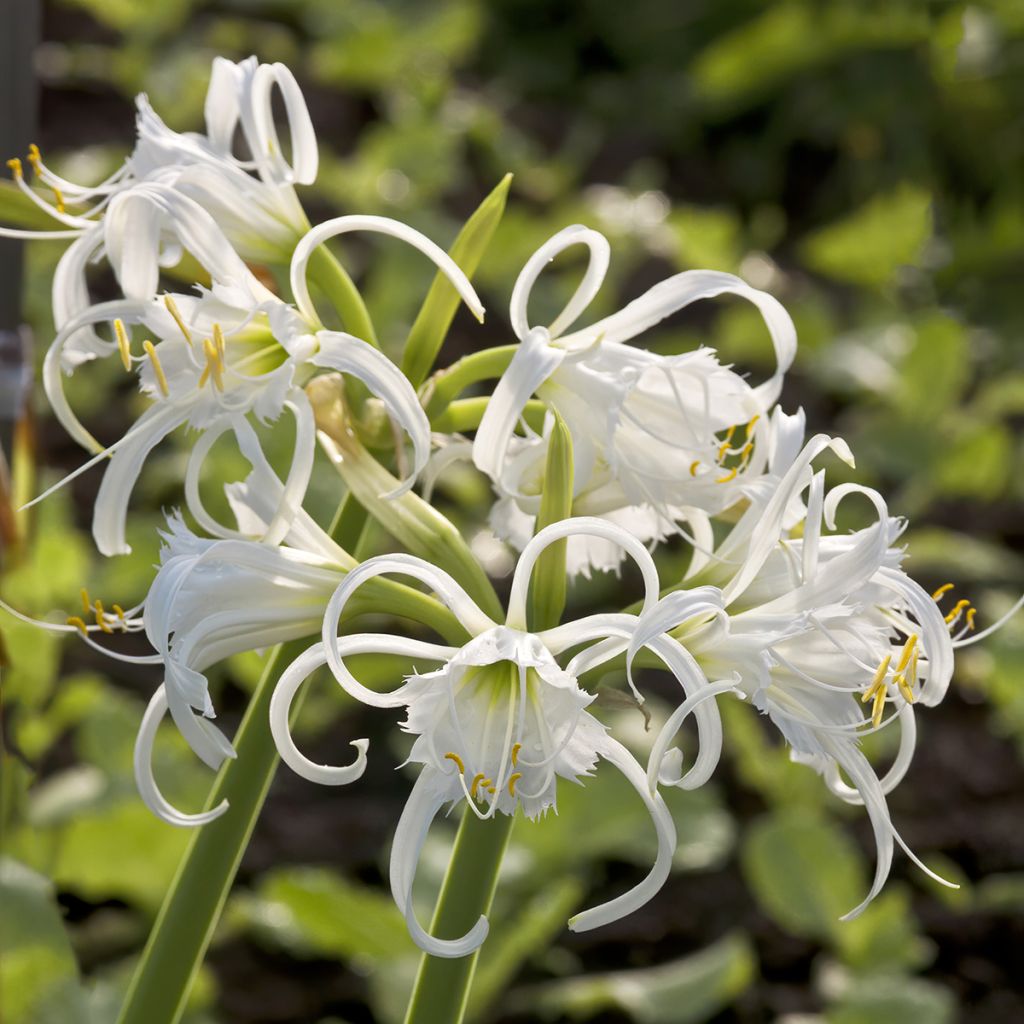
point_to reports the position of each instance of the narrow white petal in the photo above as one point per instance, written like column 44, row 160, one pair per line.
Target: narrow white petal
column 677, row 292
column 221, row 109
column 305, row 158
column 534, row 362
column 143, row 760
column 579, row 526
column 280, row 709
column 300, row 471
column 349, row 354
column 660, row 751
column 385, row 226
column 460, row 603
column 424, row 802
column 894, row 776
column 597, row 267
column 110, row 511
column 613, row 751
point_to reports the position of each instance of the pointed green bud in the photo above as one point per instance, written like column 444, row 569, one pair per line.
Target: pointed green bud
column 547, row 590
column 435, row 317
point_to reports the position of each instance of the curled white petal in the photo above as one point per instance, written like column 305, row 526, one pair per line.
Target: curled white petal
column 143, row 761
column 613, row 751
column 597, row 267
column 424, row 802
column 585, row 526
column 385, row 226
column 349, row 354
column 280, row 708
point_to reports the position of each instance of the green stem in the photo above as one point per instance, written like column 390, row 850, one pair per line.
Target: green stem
column 196, row 898
column 466, row 413
column 447, row 385
column 333, row 280
column 442, row 986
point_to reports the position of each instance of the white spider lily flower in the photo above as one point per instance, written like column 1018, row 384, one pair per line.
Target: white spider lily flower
column 822, row 632
column 145, row 216
column 215, row 598
column 501, row 720
column 653, row 436
column 229, row 353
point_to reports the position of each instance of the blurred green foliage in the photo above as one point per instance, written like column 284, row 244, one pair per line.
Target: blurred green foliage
column 862, row 161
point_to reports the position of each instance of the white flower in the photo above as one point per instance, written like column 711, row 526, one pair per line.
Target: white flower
column 822, row 632
column 143, row 217
column 657, row 439
column 234, row 351
column 500, row 720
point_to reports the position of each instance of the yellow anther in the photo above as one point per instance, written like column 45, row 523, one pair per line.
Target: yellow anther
column 15, row 165
column 730, row 432
column 878, row 708
column 904, row 688
column 101, row 616
column 74, row 620
column 119, row 612
column 878, row 680
column 945, row 588
column 516, row 747
column 452, row 756
column 34, row 156
column 722, row 449
column 161, row 379
column 123, row 345
column 753, row 420
column 694, row 466
column 908, row 649
column 218, row 340
column 86, row 601
column 214, row 366
column 512, row 780
column 491, row 789
column 745, row 452
column 731, row 475
column 172, row 308
column 59, row 198
column 957, row 609
column 477, row 779
column 971, row 612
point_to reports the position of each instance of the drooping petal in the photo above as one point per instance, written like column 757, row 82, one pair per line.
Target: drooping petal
column 110, row 511
column 349, row 354
column 534, row 362
column 614, row 752
column 146, row 783
column 381, row 225
column 679, row 291
column 421, row 808
column 294, row 490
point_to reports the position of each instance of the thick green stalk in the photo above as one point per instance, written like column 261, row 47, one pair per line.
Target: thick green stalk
column 547, row 589
column 196, row 898
column 333, row 280
column 442, row 986
column 466, row 413
column 487, row 364
column 431, row 325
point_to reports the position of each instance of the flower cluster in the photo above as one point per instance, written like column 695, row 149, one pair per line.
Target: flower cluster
column 822, row 631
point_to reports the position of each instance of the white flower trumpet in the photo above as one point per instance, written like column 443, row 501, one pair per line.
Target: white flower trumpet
column 656, row 439
column 500, row 720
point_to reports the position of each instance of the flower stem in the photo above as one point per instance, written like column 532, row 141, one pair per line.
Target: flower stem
column 333, row 280
column 196, row 898
column 442, row 986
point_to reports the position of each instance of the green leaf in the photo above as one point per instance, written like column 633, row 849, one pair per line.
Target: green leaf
column 804, row 872
column 37, row 963
column 316, row 912
column 435, row 316
column 978, row 464
column 547, row 588
column 868, row 246
column 895, row 1001
column 934, row 372
column 684, row 991
column 886, row 938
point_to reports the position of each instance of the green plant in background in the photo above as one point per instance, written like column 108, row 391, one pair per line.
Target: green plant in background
column 899, row 261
